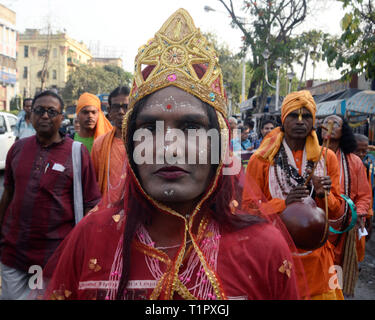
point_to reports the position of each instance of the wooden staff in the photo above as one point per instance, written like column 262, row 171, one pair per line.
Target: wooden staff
column 326, row 146
column 328, row 138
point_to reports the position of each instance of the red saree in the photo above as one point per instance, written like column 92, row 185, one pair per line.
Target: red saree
column 253, row 263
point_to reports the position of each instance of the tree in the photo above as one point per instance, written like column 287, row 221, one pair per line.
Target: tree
column 309, row 46
column 124, row 77
column 354, row 50
column 269, row 24
column 95, row 80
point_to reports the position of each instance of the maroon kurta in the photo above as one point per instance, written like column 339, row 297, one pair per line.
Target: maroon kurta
column 41, row 213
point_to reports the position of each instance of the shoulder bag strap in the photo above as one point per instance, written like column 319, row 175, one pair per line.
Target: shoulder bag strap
column 77, row 181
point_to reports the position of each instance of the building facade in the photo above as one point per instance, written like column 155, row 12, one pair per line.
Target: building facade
column 8, row 57
column 46, row 59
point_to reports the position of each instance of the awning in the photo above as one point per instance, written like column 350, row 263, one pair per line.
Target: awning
column 330, row 107
column 248, row 104
column 362, row 102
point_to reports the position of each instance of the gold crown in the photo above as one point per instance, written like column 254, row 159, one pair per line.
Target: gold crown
column 172, row 54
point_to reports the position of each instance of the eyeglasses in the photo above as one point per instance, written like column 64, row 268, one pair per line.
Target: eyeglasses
column 50, row 111
column 116, row 107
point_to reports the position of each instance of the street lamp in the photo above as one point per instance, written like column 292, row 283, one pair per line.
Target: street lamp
column 278, row 62
column 290, row 76
column 208, row 9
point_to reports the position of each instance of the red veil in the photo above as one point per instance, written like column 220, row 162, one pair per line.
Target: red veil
column 104, row 254
column 98, row 254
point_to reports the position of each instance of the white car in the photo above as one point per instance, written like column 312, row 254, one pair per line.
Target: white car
column 8, row 123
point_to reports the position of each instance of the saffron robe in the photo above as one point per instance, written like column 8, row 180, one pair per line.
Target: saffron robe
column 317, row 264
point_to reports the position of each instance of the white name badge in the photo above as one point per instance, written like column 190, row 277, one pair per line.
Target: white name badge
column 58, row 167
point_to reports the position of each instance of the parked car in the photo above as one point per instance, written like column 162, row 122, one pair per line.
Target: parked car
column 70, row 111
column 8, row 123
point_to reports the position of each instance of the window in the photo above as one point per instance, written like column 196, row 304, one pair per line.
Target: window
column 26, row 51
column 45, row 73
column 3, row 127
column 42, row 52
column 25, row 72
column 55, row 52
column 54, row 74
column 13, row 122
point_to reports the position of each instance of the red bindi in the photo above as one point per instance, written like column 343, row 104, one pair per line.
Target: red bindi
column 169, row 107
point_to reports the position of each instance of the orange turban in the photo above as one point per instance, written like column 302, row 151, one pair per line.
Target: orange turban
column 298, row 100
column 103, row 125
column 271, row 144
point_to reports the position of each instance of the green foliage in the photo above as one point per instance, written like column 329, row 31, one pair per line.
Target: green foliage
column 232, row 66
column 354, row 50
column 95, row 80
column 267, row 25
column 16, row 104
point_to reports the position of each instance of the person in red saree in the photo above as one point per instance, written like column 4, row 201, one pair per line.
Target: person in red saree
column 179, row 233
column 280, row 167
column 353, row 184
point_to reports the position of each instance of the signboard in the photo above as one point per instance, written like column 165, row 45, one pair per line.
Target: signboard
column 8, row 78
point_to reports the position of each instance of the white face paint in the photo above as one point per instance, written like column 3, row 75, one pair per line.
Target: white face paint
column 170, row 104
column 169, row 193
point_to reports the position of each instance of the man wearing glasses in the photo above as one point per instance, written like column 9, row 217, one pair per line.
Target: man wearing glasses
column 37, row 206
column 108, row 152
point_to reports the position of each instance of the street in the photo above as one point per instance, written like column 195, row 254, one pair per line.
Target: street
column 365, row 288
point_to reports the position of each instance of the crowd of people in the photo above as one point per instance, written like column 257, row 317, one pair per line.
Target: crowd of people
column 103, row 225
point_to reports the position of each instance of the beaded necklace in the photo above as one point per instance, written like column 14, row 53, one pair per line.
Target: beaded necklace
column 194, row 283
column 281, row 160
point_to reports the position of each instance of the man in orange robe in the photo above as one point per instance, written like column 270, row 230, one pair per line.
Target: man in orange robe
column 296, row 143
column 92, row 121
column 353, row 183
column 108, row 152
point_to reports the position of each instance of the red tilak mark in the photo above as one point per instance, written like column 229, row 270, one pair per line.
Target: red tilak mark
column 169, row 107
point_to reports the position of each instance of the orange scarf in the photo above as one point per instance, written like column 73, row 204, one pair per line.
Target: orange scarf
column 103, row 161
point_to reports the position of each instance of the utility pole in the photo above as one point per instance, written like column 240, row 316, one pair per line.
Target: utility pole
column 44, row 72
